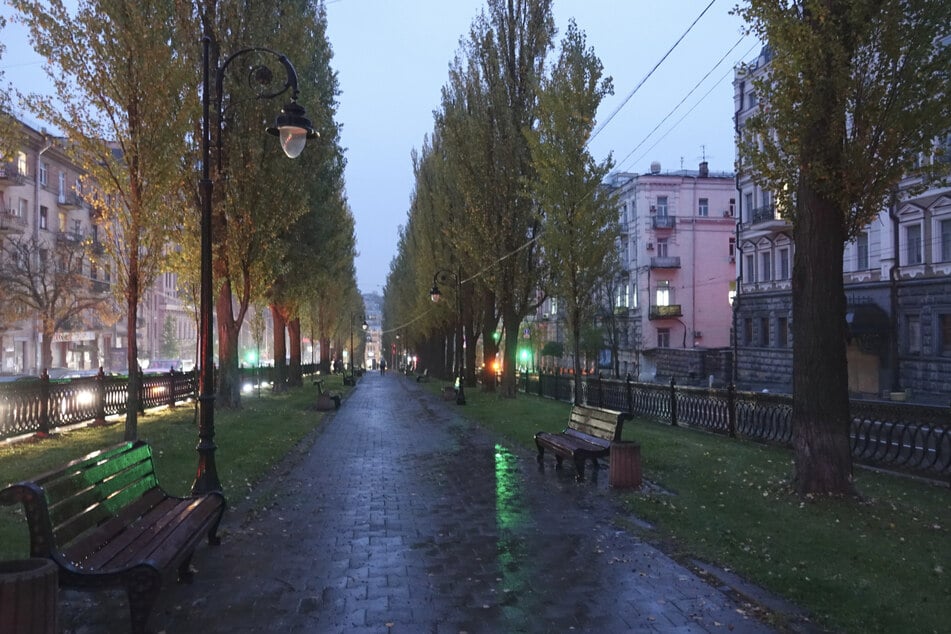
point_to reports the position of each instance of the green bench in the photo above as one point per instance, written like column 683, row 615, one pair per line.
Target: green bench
column 105, row 521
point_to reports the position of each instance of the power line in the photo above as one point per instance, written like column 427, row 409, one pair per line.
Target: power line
column 651, row 72
column 687, row 96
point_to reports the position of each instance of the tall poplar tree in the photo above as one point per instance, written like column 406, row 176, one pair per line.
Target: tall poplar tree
column 580, row 228
column 489, row 106
column 119, row 88
column 854, row 91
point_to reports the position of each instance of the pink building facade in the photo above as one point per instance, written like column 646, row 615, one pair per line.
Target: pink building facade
column 678, row 255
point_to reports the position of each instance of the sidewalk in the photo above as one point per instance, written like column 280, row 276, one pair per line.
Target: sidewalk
column 401, row 517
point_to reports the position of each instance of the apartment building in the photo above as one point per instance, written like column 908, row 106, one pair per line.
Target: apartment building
column 897, row 275
column 42, row 208
column 677, row 252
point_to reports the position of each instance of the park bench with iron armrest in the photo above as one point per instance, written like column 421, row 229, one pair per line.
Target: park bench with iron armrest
column 106, row 522
column 588, row 436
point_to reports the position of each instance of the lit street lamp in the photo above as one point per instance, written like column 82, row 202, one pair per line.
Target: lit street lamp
column 364, row 325
column 293, row 128
column 436, row 295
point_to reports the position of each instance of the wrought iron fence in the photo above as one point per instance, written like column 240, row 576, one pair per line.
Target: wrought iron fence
column 41, row 405
column 915, row 438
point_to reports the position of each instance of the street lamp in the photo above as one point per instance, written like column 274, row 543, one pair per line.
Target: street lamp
column 435, row 295
column 364, row 325
column 293, row 128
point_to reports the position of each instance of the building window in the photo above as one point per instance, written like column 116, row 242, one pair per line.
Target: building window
column 861, row 252
column 750, row 273
column 21, row 163
column 765, row 270
column 944, row 336
column 914, row 334
column 44, row 173
column 913, row 244
column 24, row 208
column 748, row 331
column 662, row 247
column 732, row 248
column 44, row 217
column 764, row 331
column 748, row 201
column 946, row 240
column 663, row 337
column 662, row 205
column 732, row 207
column 663, row 293
column 704, row 208
column 783, row 264
column 782, row 332
column 63, row 219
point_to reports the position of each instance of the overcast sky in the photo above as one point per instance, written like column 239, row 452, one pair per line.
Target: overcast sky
column 392, row 59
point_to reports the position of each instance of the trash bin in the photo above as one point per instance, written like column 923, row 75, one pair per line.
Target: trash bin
column 625, row 465
column 29, row 591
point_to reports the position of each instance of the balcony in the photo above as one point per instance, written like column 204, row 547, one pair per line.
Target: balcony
column 12, row 222
column 9, row 174
column 69, row 237
column 665, row 312
column 763, row 214
column 69, row 200
column 664, row 222
column 658, row 262
column 100, row 286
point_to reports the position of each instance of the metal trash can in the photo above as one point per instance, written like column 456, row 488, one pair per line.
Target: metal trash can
column 29, row 596
column 625, row 465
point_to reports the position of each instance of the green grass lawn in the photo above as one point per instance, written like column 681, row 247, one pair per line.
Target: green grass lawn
column 879, row 564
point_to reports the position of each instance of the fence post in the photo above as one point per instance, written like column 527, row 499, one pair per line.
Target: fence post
column 630, row 393
column 600, row 391
column 731, row 406
column 171, row 388
column 673, row 403
column 44, row 431
column 100, row 398
column 139, row 373
column 541, row 383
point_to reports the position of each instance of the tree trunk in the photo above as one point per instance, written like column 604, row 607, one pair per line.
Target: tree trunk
column 280, row 348
column 46, row 346
column 575, row 325
column 295, row 376
column 325, row 360
column 229, row 380
column 490, row 347
column 132, row 359
column 820, row 415
column 510, row 324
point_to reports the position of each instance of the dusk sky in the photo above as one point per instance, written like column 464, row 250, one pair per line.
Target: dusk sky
column 392, row 59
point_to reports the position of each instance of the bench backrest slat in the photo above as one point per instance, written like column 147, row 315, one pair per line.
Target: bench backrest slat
column 92, row 490
column 597, row 422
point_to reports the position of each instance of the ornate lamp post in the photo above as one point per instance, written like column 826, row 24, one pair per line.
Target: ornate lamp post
column 436, row 295
column 293, row 128
column 353, row 380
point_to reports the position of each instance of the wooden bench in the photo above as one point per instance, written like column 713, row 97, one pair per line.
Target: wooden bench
column 589, row 435
column 324, row 399
column 106, row 522
column 423, row 377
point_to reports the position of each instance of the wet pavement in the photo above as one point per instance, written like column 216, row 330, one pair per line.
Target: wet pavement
column 397, row 515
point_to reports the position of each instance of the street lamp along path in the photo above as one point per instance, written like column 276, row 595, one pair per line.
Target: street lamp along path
column 293, row 128
column 435, row 295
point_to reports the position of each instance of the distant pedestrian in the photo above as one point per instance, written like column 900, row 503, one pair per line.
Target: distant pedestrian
column 382, row 367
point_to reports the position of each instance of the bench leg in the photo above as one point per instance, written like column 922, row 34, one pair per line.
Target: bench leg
column 541, row 454
column 336, row 398
column 142, row 589
column 579, row 468
column 558, row 459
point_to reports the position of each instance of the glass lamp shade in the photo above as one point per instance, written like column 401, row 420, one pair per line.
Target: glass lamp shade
column 293, row 140
column 293, row 128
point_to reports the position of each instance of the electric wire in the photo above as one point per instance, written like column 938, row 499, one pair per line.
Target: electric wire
column 649, row 73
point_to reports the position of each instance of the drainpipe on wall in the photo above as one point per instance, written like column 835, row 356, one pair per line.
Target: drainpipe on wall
column 893, row 275
column 38, row 353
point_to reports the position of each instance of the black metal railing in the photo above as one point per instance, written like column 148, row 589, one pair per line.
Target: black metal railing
column 914, row 438
column 42, row 405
